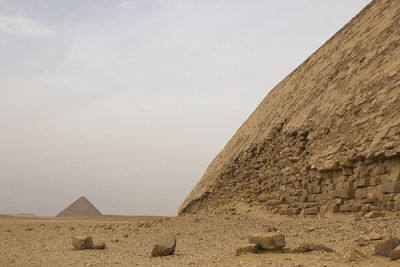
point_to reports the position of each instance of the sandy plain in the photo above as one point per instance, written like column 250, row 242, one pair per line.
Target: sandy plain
column 202, row 240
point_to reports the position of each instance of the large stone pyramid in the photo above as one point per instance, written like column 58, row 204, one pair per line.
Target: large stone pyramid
column 80, row 207
column 325, row 139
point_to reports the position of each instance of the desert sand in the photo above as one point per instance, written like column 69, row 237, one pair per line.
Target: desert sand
column 203, row 239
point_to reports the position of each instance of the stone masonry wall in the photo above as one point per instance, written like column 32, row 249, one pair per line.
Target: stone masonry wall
column 278, row 175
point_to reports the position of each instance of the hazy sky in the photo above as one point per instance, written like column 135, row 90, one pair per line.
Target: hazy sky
column 128, row 102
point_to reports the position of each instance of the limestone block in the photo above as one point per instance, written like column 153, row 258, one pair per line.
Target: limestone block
column 333, row 208
column 375, row 180
column 395, row 253
column 269, row 240
column 345, row 190
column 82, row 242
column 360, row 193
column 385, row 247
column 391, row 187
column 347, row 171
column 362, row 182
column 346, row 207
column 165, row 246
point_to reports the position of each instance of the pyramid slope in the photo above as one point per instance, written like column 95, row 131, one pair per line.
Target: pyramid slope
column 80, row 207
column 328, row 132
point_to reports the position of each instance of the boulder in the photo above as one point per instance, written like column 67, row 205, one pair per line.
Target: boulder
column 165, row 246
column 252, row 248
column 395, row 253
column 386, row 246
column 269, row 241
column 307, row 247
column 82, row 242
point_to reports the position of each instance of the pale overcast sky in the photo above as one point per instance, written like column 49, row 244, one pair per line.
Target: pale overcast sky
column 128, row 102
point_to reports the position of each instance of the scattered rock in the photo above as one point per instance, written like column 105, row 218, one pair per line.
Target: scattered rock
column 395, row 253
column 270, row 229
column 386, row 246
column 358, row 217
column 144, row 224
column 374, row 236
column 357, row 255
column 269, row 241
column 366, row 239
column 126, row 235
column 86, row 242
column 286, row 250
column 115, row 240
column 374, row 214
column 82, row 242
column 29, row 229
column 252, row 248
column 99, row 246
column 164, row 247
column 362, row 242
column 307, row 247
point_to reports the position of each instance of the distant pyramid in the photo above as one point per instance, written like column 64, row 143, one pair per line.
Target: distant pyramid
column 81, row 207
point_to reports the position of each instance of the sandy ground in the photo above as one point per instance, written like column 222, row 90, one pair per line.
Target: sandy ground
column 203, row 240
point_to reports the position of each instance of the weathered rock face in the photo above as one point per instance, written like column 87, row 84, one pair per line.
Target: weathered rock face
column 327, row 137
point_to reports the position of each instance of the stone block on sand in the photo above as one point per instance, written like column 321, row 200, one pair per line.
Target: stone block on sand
column 386, row 246
column 395, row 253
column 82, row 242
column 269, row 241
column 165, row 246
